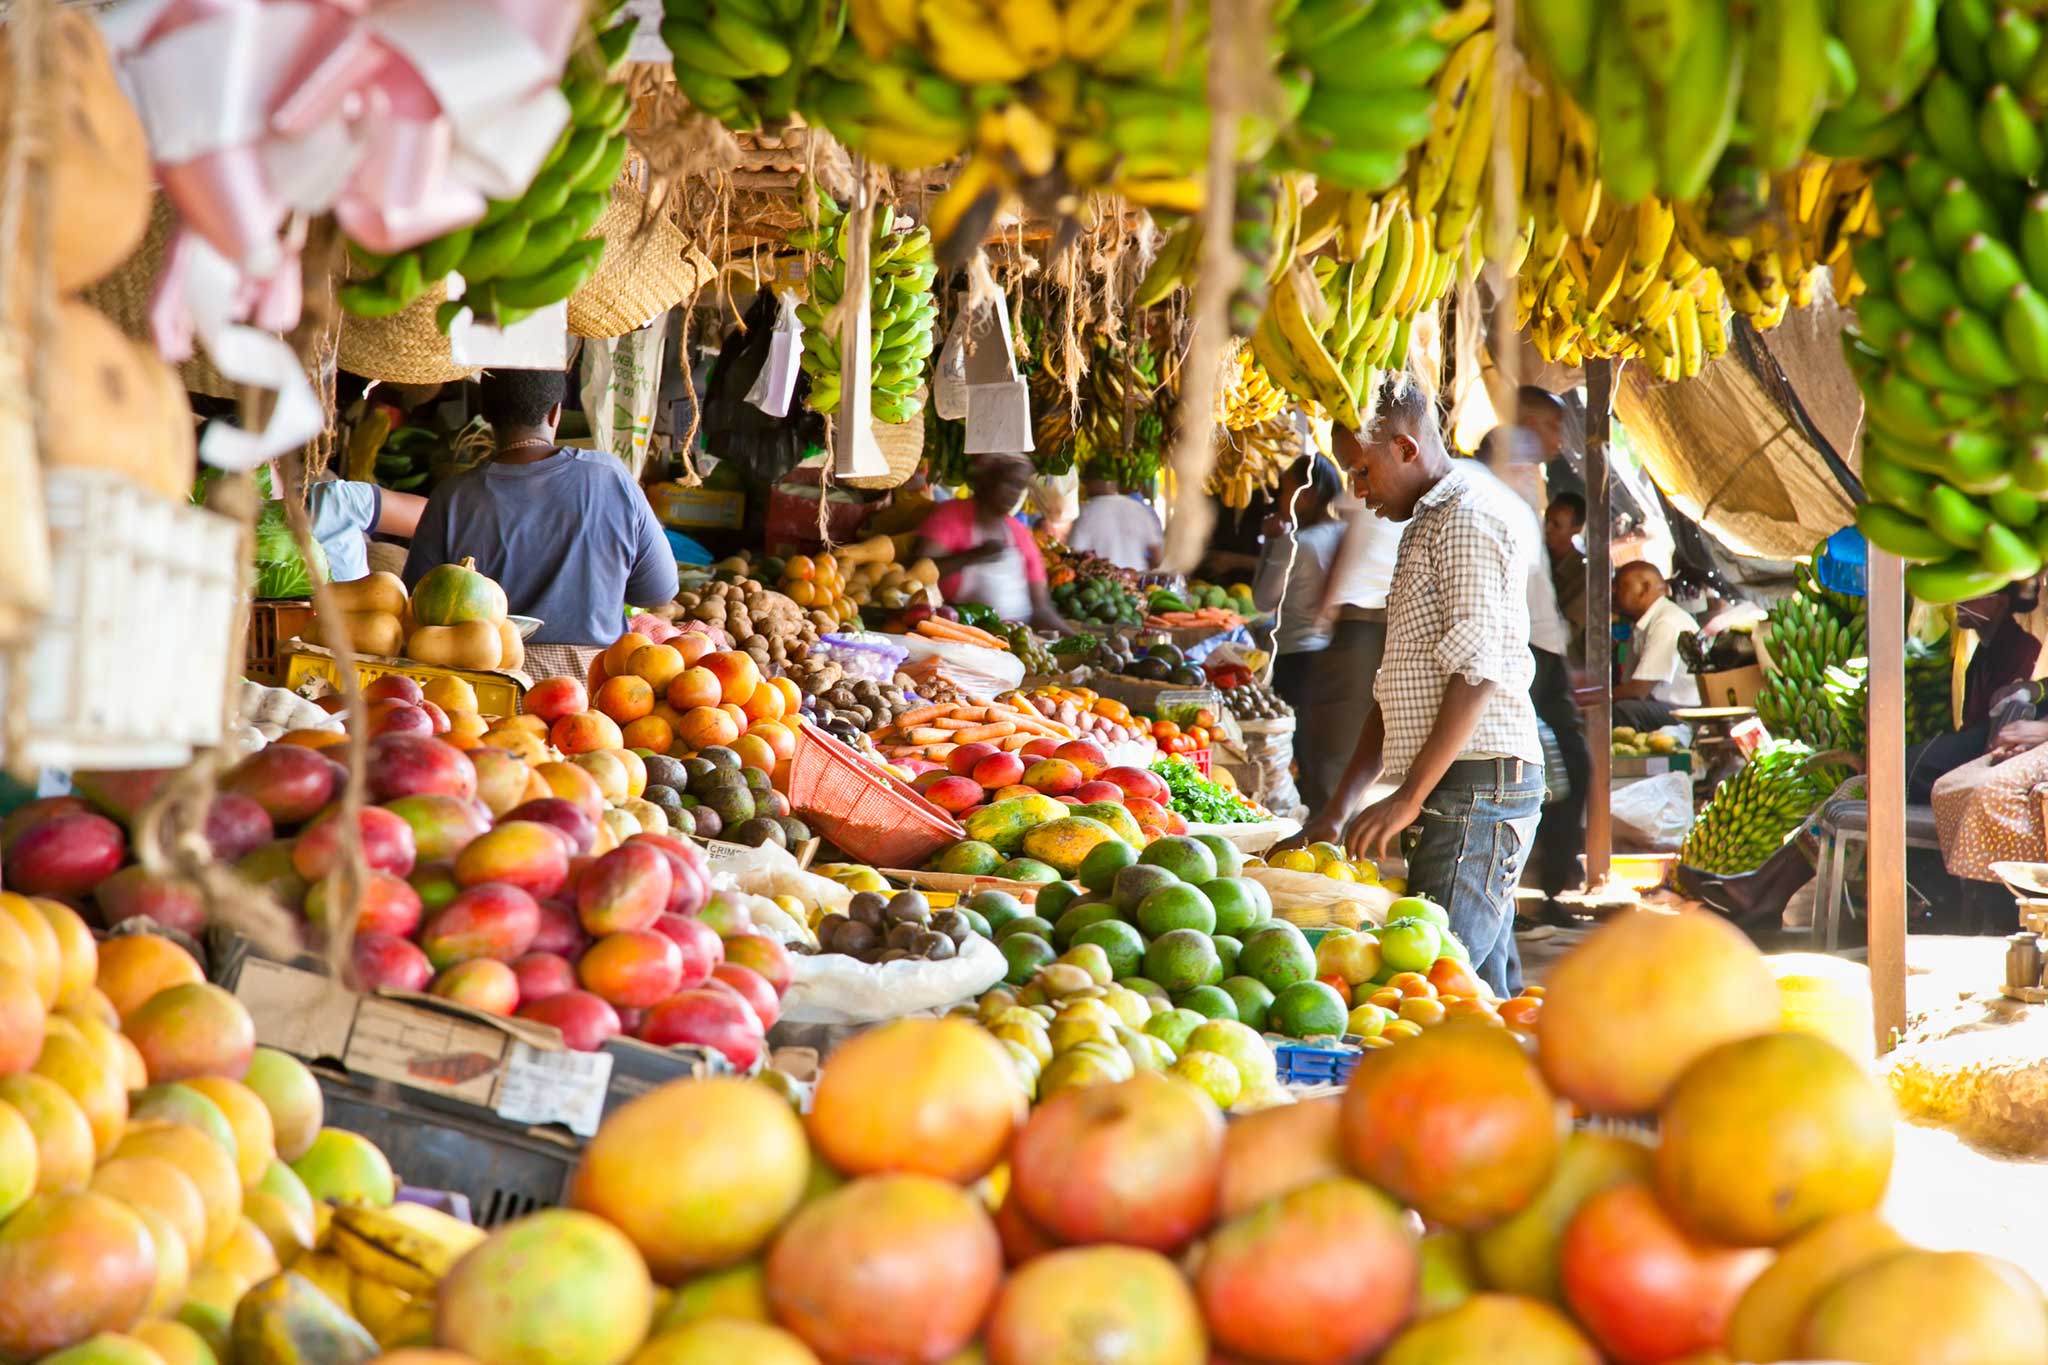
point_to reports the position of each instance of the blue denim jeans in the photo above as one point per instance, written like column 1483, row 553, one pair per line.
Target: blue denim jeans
column 1476, row 830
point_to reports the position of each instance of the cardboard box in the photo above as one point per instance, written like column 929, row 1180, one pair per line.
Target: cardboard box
column 687, row 508
column 1731, row 686
column 1652, row 765
column 513, row 1070
column 498, row 693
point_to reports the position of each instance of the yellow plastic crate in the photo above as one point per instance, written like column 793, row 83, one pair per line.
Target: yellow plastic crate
column 497, row 694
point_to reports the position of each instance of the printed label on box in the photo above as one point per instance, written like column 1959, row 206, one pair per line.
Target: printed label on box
column 427, row 1051
column 554, row 1087
column 296, row 1011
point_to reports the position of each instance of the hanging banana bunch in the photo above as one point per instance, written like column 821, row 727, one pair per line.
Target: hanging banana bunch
column 1950, row 340
column 1720, row 92
column 901, row 309
column 1252, row 459
column 1246, row 397
column 746, row 62
column 528, row 253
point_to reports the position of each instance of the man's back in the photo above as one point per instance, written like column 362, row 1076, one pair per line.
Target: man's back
column 569, row 538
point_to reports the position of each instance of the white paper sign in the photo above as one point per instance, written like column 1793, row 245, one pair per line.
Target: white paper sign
column 540, row 342
column 542, row 1086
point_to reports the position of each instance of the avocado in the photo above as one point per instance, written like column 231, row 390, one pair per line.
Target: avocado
column 758, row 831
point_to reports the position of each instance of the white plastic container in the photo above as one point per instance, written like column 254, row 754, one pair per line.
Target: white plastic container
column 130, row 666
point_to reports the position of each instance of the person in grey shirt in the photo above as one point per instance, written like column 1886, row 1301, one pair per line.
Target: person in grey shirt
column 343, row 512
column 566, row 532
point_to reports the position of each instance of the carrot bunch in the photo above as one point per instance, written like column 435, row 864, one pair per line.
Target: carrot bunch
column 1207, row 616
column 959, row 633
column 932, row 732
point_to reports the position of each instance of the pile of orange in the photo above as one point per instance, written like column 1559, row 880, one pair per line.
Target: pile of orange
column 687, row 695
column 815, row 583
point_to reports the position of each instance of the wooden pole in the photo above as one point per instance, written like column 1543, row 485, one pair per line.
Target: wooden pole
column 1599, row 635
column 1886, row 866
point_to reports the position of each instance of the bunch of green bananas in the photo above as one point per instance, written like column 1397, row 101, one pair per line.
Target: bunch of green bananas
column 1103, row 445
column 1373, row 85
column 528, row 253
column 946, row 461
column 1930, row 707
column 1677, row 86
column 405, row 462
column 1753, row 812
column 1805, row 637
column 1847, row 689
column 745, row 62
column 901, row 311
column 1950, row 344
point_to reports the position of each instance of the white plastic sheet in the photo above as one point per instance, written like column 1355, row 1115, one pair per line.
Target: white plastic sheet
column 830, row 988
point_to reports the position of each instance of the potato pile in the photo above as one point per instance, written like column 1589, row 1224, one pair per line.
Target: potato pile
column 763, row 623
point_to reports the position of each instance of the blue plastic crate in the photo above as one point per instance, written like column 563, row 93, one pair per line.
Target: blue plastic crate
column 1316, row 1064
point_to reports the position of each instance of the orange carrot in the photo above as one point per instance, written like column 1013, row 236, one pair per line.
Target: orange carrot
column 983, row 733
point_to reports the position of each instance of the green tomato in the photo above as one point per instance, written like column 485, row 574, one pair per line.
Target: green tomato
column 1410, row 945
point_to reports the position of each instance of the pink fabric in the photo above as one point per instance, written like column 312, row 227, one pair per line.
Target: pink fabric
column 952, row 528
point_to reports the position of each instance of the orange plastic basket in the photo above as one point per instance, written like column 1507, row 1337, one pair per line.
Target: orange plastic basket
column 867, row 813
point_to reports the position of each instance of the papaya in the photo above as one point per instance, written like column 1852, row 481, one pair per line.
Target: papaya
column 455, row 594
column 472, row 645
column 1004, row 824
column 378, row 592
column 1062, row 844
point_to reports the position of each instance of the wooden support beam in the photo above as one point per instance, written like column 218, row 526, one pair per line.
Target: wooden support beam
column 1885, row 870
column 1599, row 634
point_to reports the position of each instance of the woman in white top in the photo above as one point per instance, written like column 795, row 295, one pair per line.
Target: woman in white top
column 1117, row 527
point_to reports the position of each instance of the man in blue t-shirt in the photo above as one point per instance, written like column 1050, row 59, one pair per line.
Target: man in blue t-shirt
column 566, row 532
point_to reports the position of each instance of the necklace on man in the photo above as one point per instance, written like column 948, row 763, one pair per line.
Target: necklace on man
column 529, row 441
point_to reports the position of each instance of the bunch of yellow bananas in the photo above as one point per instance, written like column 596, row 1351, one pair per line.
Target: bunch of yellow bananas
column 1252, row 458
column 383, row 1266
column 1246, row 397
column 1643, row 295
column 1819, row 212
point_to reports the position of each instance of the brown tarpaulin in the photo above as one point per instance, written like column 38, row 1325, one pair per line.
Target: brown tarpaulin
column 1757, row 446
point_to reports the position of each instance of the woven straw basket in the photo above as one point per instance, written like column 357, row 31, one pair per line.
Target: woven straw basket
column 902, row 445
column 124, row 297
column 648, row 267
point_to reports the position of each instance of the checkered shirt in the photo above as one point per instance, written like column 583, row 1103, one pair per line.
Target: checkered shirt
column 1459, row 605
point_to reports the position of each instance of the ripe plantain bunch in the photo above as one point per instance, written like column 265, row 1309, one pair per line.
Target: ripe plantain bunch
column 1950, row 343
column 1246, row 397
column 745, row 62
column 528, row 253
column 1250, row 459
column 1109, row 443
column 901, row 309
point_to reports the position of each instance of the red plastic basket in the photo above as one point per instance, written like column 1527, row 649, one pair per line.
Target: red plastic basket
column 866, row 812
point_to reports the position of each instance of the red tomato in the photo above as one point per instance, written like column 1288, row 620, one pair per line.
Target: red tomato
column 1339, row 985
column 1452, row 977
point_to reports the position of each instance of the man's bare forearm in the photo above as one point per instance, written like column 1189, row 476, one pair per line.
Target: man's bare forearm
column 1457, row 717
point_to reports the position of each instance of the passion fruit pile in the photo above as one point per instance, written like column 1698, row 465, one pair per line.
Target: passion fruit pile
column 878, row 928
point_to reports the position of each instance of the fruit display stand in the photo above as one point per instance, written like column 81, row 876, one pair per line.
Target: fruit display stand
column 503, row 1074
column 129, row 668
column 959, row 884
column 498, row 692
column 1254, row 836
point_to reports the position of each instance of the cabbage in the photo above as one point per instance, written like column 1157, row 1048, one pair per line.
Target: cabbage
column 280, row 571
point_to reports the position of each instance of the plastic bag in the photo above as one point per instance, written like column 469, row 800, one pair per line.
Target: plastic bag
column 776, row 383
column 831, row 988
column 949, row 375
column 979, row 672
column 864, row 655
column 1656, row 810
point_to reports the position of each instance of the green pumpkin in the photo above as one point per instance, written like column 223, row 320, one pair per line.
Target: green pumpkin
column 452, row 594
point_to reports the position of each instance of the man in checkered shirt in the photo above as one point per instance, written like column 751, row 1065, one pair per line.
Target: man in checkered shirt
column 1451, row 721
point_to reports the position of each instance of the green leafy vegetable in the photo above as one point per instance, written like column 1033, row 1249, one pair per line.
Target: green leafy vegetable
column 1194, row 797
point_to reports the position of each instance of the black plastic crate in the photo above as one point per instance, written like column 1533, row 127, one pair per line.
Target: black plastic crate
column 505, row 1173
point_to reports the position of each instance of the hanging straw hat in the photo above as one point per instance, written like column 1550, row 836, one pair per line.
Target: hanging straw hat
column 648, row 267
column 124, row 297
column 405, row 348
